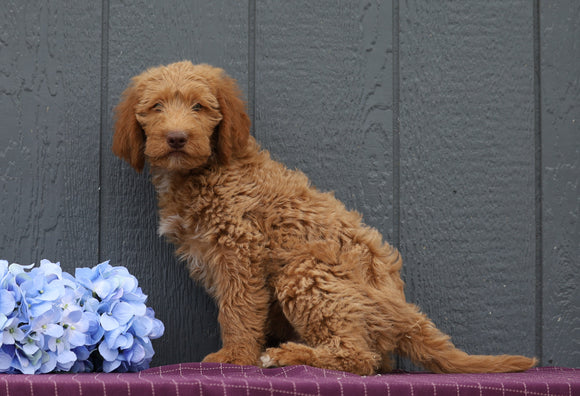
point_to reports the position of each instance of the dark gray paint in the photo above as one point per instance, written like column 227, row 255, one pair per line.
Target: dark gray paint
column 425, row 117
column 560, row 125
column 49, row 111
column 467, row 161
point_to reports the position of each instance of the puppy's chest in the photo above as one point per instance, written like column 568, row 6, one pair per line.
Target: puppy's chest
column 175, row 227
column 181, row 209
column 181, row 223
column 184, row 227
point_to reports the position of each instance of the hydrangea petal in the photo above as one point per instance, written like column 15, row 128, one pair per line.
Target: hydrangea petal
column 5, row 361
column 77, row 338
column 135, row 296
column 102, row 288
column 69, row 281
column 91, row 304
column 53, row 330
column 16, row 269
column 48, row 363
column 158, row 329
column 103, row 267
column 50, row 268
column 82, row 353
column 108, row 322
column 111, row 336
column 53, row 291
column 107, row 353
column 30, row 348
column 124, row 341
column 84, row 276
column 123, row 312
column 140, row 309
column 7, row 302
column 66, row 357
column 142, row 326
column 129, row 282
column 40, row 308
column 73, row 316
column 109, row 366
column 138, row 354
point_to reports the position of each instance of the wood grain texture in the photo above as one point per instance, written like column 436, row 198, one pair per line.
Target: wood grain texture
column 324, row 97
column 467, row 169
column 49, row 107
column 144, row 34
column 560, row 128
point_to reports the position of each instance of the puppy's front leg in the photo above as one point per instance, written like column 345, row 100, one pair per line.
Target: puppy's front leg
column 243, row 307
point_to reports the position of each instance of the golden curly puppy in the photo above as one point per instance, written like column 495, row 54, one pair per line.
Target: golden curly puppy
column 288, row 265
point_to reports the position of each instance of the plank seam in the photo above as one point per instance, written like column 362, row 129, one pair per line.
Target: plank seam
column 104, row 113
column 538, row 182
column 396, row 140
column 396, row 130
column 252, row 62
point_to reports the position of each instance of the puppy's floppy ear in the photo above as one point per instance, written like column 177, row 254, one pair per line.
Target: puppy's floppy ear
column 129, row 138
column 234, row 128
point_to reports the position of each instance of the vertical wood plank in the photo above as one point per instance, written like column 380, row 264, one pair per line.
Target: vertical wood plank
column 560, row 131
column 143, row 34
column 324, row 97
column 49, row 107
column 467, row 169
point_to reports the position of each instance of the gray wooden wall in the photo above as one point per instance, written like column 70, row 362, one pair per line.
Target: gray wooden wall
column 453, row 126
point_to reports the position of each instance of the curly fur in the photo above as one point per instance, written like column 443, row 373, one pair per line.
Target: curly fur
column 290, row 267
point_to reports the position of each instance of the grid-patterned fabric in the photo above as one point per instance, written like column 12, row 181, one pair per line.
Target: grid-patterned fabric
column 218, row 379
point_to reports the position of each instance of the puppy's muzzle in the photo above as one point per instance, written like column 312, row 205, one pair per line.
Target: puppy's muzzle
column 176, row 139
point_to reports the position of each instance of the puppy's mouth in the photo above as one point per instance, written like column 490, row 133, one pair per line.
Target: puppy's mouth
column 178, row 160
column 176, row 154
column 168, row 155
column 177, row 157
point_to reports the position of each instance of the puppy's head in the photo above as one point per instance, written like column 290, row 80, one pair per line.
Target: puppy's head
column 180, row 117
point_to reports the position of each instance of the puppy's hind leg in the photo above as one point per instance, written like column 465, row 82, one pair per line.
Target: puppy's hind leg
column 335, row 344
column 326, row 312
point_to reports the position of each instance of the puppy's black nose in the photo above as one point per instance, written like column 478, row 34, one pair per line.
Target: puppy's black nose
column 176, row 139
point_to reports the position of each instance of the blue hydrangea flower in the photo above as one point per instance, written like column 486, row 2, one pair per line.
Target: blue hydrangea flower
column 52, row 321
column 11, row 332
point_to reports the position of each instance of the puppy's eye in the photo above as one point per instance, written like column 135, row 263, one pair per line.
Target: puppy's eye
column 196, row 107
column 158, row 107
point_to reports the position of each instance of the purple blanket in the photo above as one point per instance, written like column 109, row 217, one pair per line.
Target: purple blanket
column 218, row 379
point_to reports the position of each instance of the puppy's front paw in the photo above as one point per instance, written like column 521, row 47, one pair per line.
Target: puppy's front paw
column 232, row 356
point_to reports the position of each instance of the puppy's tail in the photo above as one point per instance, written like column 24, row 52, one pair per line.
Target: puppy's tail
column 425, row 345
